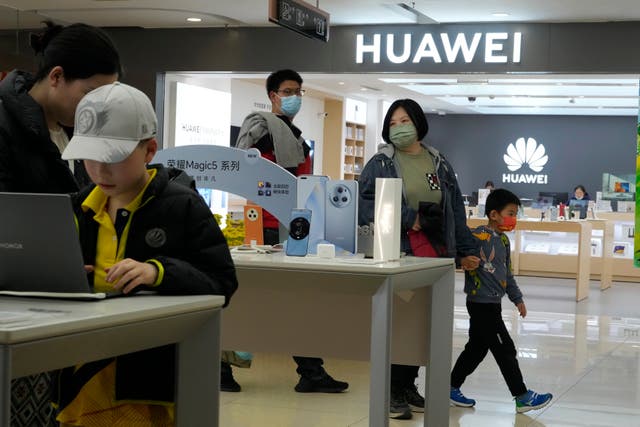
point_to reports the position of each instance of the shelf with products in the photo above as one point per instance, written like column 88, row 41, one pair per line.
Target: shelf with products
column 619, row 245
column 611, row 247
column 353, row 147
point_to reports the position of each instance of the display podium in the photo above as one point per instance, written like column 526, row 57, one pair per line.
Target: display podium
column 400, row 312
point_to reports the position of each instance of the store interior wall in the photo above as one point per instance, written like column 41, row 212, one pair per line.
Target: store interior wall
column 580, row 149
column 145, row 52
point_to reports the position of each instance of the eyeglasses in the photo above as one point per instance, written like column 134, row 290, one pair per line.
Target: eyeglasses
column 291, row 92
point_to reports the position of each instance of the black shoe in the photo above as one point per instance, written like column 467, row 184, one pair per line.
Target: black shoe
column 415, row 401
column 398, row 406
column 227, row 382
column 323, row 384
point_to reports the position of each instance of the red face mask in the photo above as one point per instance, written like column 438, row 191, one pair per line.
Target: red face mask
column 508, row 223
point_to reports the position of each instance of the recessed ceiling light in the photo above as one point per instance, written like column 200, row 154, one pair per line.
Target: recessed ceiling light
column 194, row 19
column 500, row 14
column 341, row 83
column 363, row 88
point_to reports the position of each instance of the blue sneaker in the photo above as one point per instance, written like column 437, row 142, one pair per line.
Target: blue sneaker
column 458, row 399
column 532, row 400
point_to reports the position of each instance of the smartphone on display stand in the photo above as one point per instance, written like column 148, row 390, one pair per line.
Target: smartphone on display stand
column 299, row 227
column 311, row 195
column 342, row 214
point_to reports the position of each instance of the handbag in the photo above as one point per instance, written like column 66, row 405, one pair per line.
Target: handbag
column 429, row 241
column 421, row 245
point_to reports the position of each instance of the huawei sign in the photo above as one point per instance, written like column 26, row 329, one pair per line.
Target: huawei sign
column 523, row 153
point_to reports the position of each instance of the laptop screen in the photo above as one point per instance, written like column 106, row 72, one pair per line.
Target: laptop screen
column 39, row 246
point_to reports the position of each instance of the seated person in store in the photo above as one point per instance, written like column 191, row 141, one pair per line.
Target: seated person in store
column 580, row 193
column 485, row 287
column 489, row 185
column 280, row 141
column 138, row 231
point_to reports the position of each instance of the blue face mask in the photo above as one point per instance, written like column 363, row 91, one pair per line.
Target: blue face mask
column 290, row 105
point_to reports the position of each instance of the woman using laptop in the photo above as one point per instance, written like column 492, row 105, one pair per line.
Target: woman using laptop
column 73, row 60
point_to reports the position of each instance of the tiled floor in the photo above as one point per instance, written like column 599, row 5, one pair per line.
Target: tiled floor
column 587, row 354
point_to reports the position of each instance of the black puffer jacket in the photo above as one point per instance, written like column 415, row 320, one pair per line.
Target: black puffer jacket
column 174, row 226
column 29, row 161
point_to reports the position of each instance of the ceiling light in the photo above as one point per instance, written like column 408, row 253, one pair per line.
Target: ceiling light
column 341, row 83
column 194, row 19
column 500, row 14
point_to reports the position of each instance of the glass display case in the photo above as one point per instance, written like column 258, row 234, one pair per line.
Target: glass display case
column 618, row 187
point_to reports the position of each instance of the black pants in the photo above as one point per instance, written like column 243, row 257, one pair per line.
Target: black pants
column 310, row 367
column 487, row 332
column 403, row 376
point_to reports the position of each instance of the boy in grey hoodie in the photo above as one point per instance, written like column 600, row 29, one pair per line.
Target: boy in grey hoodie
column 485, row 287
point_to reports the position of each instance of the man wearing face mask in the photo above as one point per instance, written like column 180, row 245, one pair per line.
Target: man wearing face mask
column 433, row 220
column 280, row 141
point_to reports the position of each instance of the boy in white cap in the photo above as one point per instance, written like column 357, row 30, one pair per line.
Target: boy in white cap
column 139, row 231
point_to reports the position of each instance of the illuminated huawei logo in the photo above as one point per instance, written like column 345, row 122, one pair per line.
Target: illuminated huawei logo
column 530, row 153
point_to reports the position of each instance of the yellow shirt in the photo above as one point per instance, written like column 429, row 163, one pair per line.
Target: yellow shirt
column 111, row 245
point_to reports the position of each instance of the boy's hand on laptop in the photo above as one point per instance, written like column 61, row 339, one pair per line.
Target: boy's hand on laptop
column 128, row 274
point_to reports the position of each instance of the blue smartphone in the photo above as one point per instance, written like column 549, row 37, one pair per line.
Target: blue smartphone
column 341, row 214
column 299, row 227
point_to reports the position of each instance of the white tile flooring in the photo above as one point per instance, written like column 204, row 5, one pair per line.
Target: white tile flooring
column 587, row 354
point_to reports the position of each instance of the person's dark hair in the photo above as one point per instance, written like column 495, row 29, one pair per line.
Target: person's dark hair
column 276, row 78
column 581, row 187
column 81, row 50
column 498, row 199
column 415, row 113
column 489, row 184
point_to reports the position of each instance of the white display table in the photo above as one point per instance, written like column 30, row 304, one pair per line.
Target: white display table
column 332, row 308
column 39, row 335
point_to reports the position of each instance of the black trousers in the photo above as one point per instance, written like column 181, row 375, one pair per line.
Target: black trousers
column 310, row 367
column 403, row 376
column 487, row 332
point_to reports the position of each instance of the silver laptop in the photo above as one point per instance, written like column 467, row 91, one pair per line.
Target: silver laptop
column 40, row 252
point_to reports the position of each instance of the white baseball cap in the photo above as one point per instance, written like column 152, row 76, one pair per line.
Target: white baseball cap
column 110, row 122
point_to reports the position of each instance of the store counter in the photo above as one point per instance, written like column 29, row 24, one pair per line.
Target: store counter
column 38, row 335
column 618, row 245
column 399, row 312
column 551, row 248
